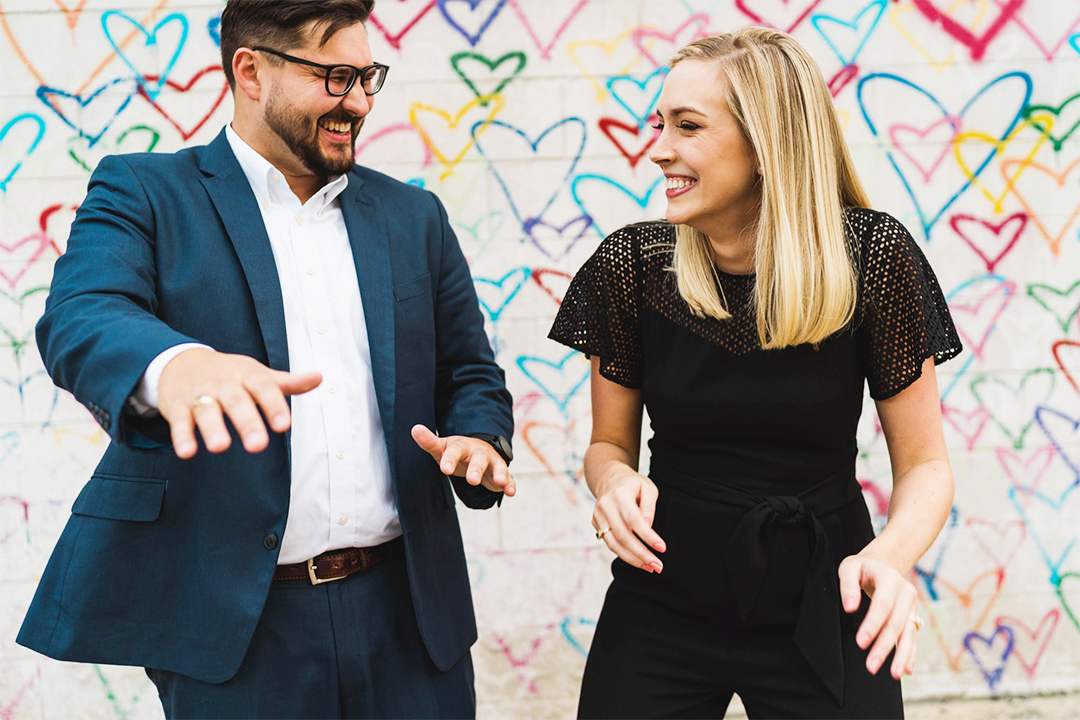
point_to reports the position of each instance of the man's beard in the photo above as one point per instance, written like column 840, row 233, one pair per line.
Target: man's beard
column 289, row 124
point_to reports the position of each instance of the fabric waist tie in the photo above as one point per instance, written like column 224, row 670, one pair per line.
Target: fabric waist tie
column 749, row 550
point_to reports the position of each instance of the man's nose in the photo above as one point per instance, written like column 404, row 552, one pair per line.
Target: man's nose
column 356, row 101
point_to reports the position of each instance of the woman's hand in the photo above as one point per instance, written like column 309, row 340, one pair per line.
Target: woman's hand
column 625, row 507
column 892, row 614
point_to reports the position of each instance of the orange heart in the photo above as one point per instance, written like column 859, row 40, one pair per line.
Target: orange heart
column 967, row 600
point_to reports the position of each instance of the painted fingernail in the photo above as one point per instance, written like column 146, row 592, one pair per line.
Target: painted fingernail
column 863, row 639
column 658, row 567
column 660, row 547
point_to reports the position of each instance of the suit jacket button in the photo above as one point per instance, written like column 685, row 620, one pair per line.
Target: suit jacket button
column 270, row 541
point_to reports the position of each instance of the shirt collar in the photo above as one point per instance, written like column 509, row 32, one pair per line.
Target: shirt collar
column 269, row 184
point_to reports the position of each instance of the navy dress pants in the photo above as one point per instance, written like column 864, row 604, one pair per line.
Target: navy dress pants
column 344, row 649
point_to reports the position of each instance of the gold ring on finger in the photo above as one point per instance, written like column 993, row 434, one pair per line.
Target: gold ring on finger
column 600, row 534
column 917, row 619
column 203, row 400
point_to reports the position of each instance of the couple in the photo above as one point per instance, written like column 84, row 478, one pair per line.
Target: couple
column 304, row 559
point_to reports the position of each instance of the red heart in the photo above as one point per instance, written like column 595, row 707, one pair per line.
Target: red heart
column 1069, row 346
column 997, row 537
column 976, row 43
column 545, row 49
column 395, row 38
column 177, row 87
column 1052, row 617
column 841, row 79
column 757, row 18
column 556, row 294
column 997, row 229
column 606, row 124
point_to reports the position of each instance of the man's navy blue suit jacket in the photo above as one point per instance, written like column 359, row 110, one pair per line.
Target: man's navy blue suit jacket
column 166, row 563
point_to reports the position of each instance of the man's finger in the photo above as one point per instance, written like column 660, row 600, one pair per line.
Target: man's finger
column 298, row 383
column 268, row 395
column 478, row 466
column 243, row 414
column 181, row 430
column 428, row 441
column 212, row 427
column 451, row 456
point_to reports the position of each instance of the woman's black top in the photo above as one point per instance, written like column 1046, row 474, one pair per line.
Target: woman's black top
column 781, row 418
column 753, row 450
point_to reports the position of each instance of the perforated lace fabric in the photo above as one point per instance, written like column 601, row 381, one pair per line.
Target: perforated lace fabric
column 901, row 320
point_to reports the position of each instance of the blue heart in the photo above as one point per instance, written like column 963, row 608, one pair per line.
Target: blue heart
column 151, row 39
column 565, row 627
column 214, row 28
column 18, row 119
column 534, row 145
column 641, row 200
column 641, row 115
column 819, row 20
column 959, row 290
column 991, row 675
column 1075, row 42
column 561, row 366
column 45, row 93
column 473, row 39
column 1052, row 564
column 927, row 219
column 510, row 284
column 1072, row 461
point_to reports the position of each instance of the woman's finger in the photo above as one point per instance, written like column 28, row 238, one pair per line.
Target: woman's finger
column 614, row 532
column 887, row 639
column 850, row 573
column 877, row 615
column 905, row 650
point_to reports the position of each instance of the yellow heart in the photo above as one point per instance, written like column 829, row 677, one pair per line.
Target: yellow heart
column 609, row 48
column 452, row 123
column 999, row 146
column 939, row 65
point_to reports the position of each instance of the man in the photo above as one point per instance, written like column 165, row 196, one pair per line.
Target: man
column 262, row 559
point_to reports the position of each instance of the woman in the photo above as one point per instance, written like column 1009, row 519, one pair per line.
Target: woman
column 746, row 325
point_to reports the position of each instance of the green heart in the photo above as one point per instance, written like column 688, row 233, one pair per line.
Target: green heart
column 19, row 343
column 977, row 383
column 1065, row 603
column 1057, row 140
column 155, row 136
column 457, row 58
column 123, row 713
column 1067, row 320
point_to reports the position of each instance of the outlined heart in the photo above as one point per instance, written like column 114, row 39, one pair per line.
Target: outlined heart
column 1060, row 193
column 1052, row 19
column 608, row 124
column 188, row 130
column 1003, row 85
column 28, row 120
column 977, row 305
column 613, row 194
column 457, row 60
column 785, row 18
column 976, row 43
column 543, row 172
column 107, row 102
column 551, row 239
column 943, row 131
column 1067, row 355
column 1064, row 305
column 999, row 541
column 553, row 282
column 474, row 17
column 852, row 34
column 457, row 125
column 570, row 628
column 990, row 241
column 968, row 424
column 109, row 20
column 646, row 39
column 1066, row 129
column 991, row 661
column 383, row 151
column 1039, row 638
column 496, row 295
column 1062, row 431
column 1012, row 407
column 976, row 603
column 562, row 23
column 1025, row 473
column 1011, row 168
column 638, row 96
column 558, row 380
column 78, row 146
column 1047, row 520
column 379, row 19
column 619, row 57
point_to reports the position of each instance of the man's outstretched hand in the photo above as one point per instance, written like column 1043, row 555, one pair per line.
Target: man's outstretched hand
column 474, row 459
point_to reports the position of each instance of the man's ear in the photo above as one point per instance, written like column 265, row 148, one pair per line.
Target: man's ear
column 246, row 70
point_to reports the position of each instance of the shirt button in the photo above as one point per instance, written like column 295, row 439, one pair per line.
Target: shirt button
column 340, row 454
column 332, row 389
column 311, row 271
column 342, row 520
column 275, row 178
column 321, row 329
column 299, row 221
column 270, row 541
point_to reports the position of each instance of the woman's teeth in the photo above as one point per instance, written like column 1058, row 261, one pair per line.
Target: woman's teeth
column 679, row 183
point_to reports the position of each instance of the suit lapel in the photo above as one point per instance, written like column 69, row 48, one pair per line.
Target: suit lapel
column 239, row 211
column 370, row 241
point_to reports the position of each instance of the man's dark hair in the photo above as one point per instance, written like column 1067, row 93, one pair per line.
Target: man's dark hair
column 280, row 24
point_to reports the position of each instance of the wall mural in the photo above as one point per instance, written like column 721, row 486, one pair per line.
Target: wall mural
column 530, row 119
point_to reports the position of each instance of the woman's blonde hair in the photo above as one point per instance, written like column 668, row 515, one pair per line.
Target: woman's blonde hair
column 806, row 284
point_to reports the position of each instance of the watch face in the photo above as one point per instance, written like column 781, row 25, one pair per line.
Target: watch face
column 504, row 445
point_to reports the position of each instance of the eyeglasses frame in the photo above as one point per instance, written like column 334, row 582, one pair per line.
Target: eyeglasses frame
column 329, row 69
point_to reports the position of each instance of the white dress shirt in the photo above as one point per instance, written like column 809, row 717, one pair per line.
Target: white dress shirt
column 341, row 494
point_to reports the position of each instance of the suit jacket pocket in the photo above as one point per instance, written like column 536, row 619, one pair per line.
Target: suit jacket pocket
column 412, row 288
column 117, row 497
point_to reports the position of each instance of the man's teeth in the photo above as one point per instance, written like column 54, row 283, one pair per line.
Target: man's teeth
column 337, row 127
column 678, row 183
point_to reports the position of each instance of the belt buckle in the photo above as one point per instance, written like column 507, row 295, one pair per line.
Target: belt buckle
column 315, row 579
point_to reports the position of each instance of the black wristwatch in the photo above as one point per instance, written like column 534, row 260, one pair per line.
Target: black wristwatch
column 501, row 445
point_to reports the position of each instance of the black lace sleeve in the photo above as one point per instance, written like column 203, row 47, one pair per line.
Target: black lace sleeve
column 905, row 317
column 600, row 315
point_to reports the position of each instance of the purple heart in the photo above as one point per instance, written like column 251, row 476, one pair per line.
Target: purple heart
column 473, row 4
column 556, row 248
column 995, row 666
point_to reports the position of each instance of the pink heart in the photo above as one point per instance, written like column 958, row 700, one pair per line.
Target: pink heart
column 920, row 135
column 1003, row 241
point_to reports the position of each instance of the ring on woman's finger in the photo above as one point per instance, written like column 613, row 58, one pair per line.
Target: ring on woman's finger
column 203, row 400
column 600, row 533
column 917, row 619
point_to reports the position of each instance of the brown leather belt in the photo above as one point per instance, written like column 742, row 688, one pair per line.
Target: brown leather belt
column 335, row 564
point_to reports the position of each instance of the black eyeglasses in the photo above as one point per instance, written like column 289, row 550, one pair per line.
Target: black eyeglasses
column 341, row 78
